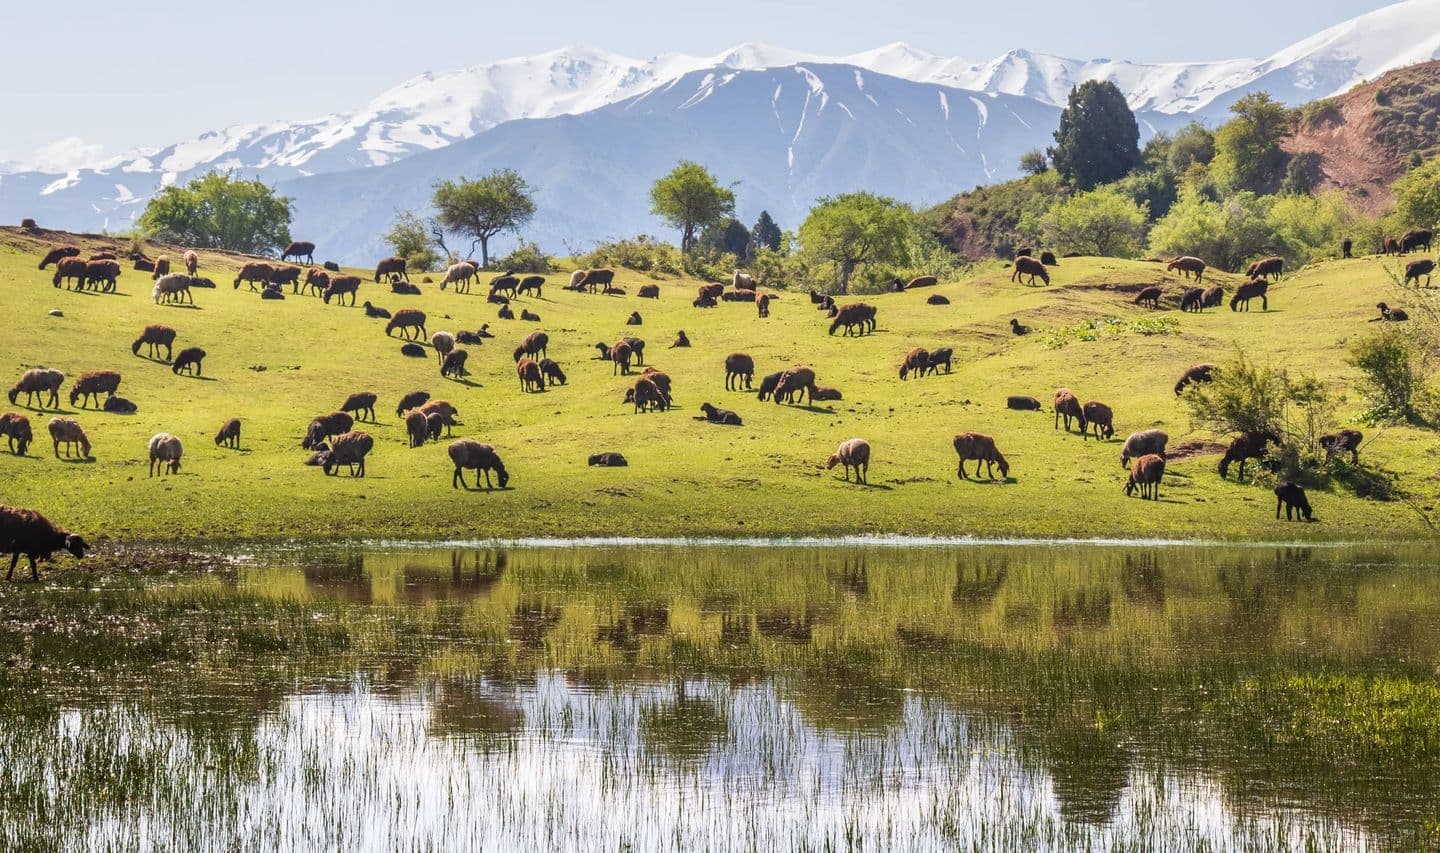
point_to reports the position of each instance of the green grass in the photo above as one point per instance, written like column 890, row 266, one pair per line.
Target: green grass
column 278, row 364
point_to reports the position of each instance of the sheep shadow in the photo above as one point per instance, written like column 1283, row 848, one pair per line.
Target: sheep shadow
column 986, row 481
column 153, row 360
column 78, row 460
column 468, row 383
column 186, row 305
column 478, row 488
column 196, row 378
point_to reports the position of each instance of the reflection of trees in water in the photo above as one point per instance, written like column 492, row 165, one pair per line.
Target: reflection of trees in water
column 976, row 585
column 851, row 576
column 848, row 696
column 339, row 579
column 786, row 625
column 735, row 630
column 532, row 620
column 1089, row 770
column 1141, row 579
column 1081, row 608
column 687, row 728
column 468, row 709
column 637, row 620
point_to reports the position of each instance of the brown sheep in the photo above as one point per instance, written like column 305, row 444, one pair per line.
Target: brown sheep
column 1212, row 297
column 506, row 283
column 1253, row 289
column 712, row 291
column 1149, row 296
column 162, row 267
column 16, row 429
column 936, row 299
column 660, row 378
column 103, row 256
column 192, row 262
column 680, row 340
column 191, row 360
column 282, row 276
column 1416, row 238
column 619, row 355
column 704, row 302
column 916, row 361
column 768, row 385
column 143, row 265
column 404, row 288
column 469, row 453
column 607, row 460
column 981, row 448
column 646, row 395
column 339, row 286
column 1195, row 373
column 598, row 279
column 254, row 273
column 416, row 427
column 297, row 250
column 853, row 315
column 922, row 281
column 316, row 281
column 1393, row 315
column 408, row 321
column 1188, row 265
column 1031, row 268
column 796, row 382
column 531, row 379
column 553, row 374
column 67, row 431
column 119, row 406
column 1246, row 446
column 1021, row 403
column 102, row 272
column 1292, row 497
column 1266, row 268
column 528, row 315
column 939, row 357
column 229, row 434
column 738, row 296
column 27, row 533
column 454, row 363
column 762, row 305
column 1101, row 420
column 38, row 381
column 434, row 424
column 531, row 283
column 505, row 313
column 825, row 394
column 724, row 417
column 852, row 453
column 1067, row 405
column 1415, row 269
column 648, row 291
column 1145, row 475
column 71, row 269
column 349, row 449
column 444, row 409
column 469, row 339
column 326, row 427
column 94, row 383
column 154, row 336
column 1192, row 299
column 534, row 345
column 738, row 367
column 1344, row 441
column 413, row 400
column 392, row 266
column 360, row 404
column 1390, row 246
column 165, row 452
column 413, row 350
column 57, row 254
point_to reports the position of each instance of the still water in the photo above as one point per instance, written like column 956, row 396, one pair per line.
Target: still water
column 670, row 697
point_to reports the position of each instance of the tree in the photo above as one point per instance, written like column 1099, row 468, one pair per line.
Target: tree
column 1417, row 196
column 728, row 235
column 1098, row 140
column 216, row 211
column 852, row 230
column 1226, row 233
column 1104, row 223
column 1193, row 143
column 1033, row 162
column 689, row 198
column 766, row 234
column 409, row 238
column 1248, row 155
column 480, row 209
column 1395, row 371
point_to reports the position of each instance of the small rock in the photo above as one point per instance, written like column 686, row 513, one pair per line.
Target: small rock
column 56, row 312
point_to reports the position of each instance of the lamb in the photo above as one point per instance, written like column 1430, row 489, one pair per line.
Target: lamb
column 299, row 249
column 1048, row 259
column 738, row 367
column 443, row 342
column 1143, row 443
column 316, row 281
column 27, row 533
column 1101, row 420
column 506, row 283
column 1394, row 315
column 94, row 383
column 719, row 416
column 1149, row 296
column 505, row 313
column 534, row 345
column 1067, row 405
column 852, row 453
column 1017, row 329
column 607, row 460
column 768, row 385
column 349, row 449
column 619, row 355
column 531, row 379
column 161, row 267
column 70, row 269
column 824, row 393
column 254, row 273
column 454, row 363
column 762, row 305
column 1344, row 441
column 404, row 288
column 1246, row 446
column 1266, row 268
column 67, row 431
column 941, row 356
column 407, row 320
column 795, row 382
column 192, row 262
column 1021, row 403
column 229, row 434
column 1415, row 269
column 174, row 287
column 102, row 272
column 191, row 360
column 1195, row 373
column 1192, row 299
column 392, row 266
column 16, row 429
column 680, row 340
column 1390, row 246
column 856, row 314
column 469, row 453
column 339, row 286
column 742, row 281
column 413, row 350
column 417, row 427
column 1213, row 296
column 1145, row 475
column 936, row 299
column 1254, row 289
column 38, row 381
column 460, row 275
column 1292, row 497
column 528, row 315
column 1188, row 265
column 646, row 394
column 1030, row 267
column 57, row 254
column 119, row 406
column 916, row 361
column 1416, row 238
column 325, row 427
column 286, row 275
column 703, row 301
column 375, row 312
column 981, row 448
column 413, row 400
column 531, row 283
column 552, row 372
column 648, row 291
column 165, row 452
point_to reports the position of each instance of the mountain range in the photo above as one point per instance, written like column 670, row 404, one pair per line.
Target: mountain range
column 590, row 130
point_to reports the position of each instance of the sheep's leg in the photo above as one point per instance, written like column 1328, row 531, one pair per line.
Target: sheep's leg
column 13, row 561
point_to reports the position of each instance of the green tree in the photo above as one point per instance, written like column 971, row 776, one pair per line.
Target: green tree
column 728, row 235
column 216, row 211
column 766, row 234
column 1193, row 143
column 1307, row 227
column 1098, row 139
column 1248, row 155
column 1104, row 222
column 1225, row 233
column 1033, row 162
column 1417, row 196
column 1394, row 369
column 480, row 209
column 409, row 238
column 851, row 231
column 689, row 198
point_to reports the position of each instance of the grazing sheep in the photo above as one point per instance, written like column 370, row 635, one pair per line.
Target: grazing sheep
column 1292, row 497
column 552, row 372
column 619, row 355
column 1067, row 405
column 1394, row 315
column 408, row 321
column 286, row 275
column 1021, row 403
column 936, row 299
column 297, row 250
column 1048, row 259
column 174, row 287
column 361, row 404
column 1030, row 267
column 102, row 272
column 762, row 306
column 192, row 262
column 161, row 267
column 413, row 350
column 191, row 360
column 454, row 363
column 505, row 313
column 768, row 385
column 534, row 345
column 443, row 342
column 981, row 448
column 1101, row 419
column 1266, row 268
column 165, row 452
column 1195, row 373
column 1192, row 299
column 254, row 273
column 647, row 395
column 577, row 280
column 1254, row 289
column 375, row 312
column 531, row 283
column 417, row 427
column 505, row 283
column 469, row 453
column 659, row 378
column 1149, row 296
column 413, row 400
column 1146, row 442
column 119, row 406
column 460, row 275
column 719, row 416
column 1415, row 269
column 319, row 457
column 680, row 340
column 326, row 427
column 16, row 429
column 57, row 254
column 392, row 267
column 1017, row 329
column 41, row 381
column 1416, row 238
column 528, row 315
column 648, row 291
column 531, row 379
column 607, row 460
column 1390, row 246
column 600, row 279
column 1246, row 446
column 67, row 431
column 1347, row 249
column 94, row 383
column 856, row 314
column 824, row 393
column 71, row 269
column 27, row 533
column 1213, row 297
column 703, row 301
column 349, row 449
column 938, row 357
column 738, row 367
column 339, row 286
column 742, row 281
column 852, row 453
column 1344, row 441
column 316, row 281
column 795, row 383
column 229, row 434
column 1145, row 475
column 1189, row 266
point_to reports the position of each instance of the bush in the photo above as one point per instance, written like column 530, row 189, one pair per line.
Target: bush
column 1394, row 373
column 526, row 258
column 1102, row 223
column 642, row 253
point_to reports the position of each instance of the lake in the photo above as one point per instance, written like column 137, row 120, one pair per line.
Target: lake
column 653, row 696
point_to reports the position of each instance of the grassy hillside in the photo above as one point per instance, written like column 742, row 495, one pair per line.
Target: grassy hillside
column 278, row 364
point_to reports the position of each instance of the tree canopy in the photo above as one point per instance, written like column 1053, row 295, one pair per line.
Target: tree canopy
column 409, row 238
column 1098, row 140
column 852, row 230
column 482, row 208
column 689, row 198
column 1248, row 155
column 766, row 234
column 216, row 211
column 1105, row 222
column 1417, row 196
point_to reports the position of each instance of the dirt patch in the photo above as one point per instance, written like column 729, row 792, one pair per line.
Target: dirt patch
column 1191, row 449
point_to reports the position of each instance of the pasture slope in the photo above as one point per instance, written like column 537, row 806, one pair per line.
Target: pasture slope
column 277, row 364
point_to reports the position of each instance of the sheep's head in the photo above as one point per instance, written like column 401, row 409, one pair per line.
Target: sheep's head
column 832, row 461
column 1004, row 466
column 1130, row 486
column 76, row 545
column 501, row 474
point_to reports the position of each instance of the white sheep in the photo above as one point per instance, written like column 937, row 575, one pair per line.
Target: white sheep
column 165, row 452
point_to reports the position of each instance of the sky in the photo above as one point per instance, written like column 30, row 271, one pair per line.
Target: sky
column 98, row 78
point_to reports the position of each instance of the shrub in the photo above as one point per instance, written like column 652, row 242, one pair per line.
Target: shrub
column 1103, row 223
column 642, row 253
column 1394, row 372
column 526, row 258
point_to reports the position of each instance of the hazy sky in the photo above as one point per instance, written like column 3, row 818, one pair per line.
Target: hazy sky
column 108, row 76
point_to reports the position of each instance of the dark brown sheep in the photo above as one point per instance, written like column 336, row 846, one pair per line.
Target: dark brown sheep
column 331, row 266
column 1347, row 249
column 191, row 360
column 16, row 429
column 1266, row 268
column 553, row 374
column 1246, row 446
column 92, row 384
column 104, row 256
column 1100, row 419
column 71, row 269
column 680, row 340
column 795, row 384
column 646, row 395
column 1390, row 246
column 825, row 394
column 852, row 453
column 1192, row 299
column 713, row 291
column 361, row 404
column 704, row 302
column 350, row 450
column 1149, row 296
column 155, row 336
column 469, row 453
column 1145, row 475
column 738, row 296
column 922, row 281
column 600, row 279
column 1143, row 443
column 67, row 431
column 119, row 406
column 27, row 533
column 1292, row 497
column 938, row 358
column 505, row 313
column 981, row 448
column 531, row 284
column 1212, row 297
column 1344, row 441
column 1416, row 238
column 607, row 460
column 102, row 272
column 445, row 410
column 768, row 385
column 1030, row 268
column 229, row 434
column 534, row 345
column 619, row 355
column 857, row 314
column 316, row 281
column 392, row 267
column 1394, row 315
column 454, row 363
column 1195, row 373
column 505, row 284
column 38, row 381
column 1021, row 403
column 413, row 400
column 1253, row 289
column 1048, row 259
column 254, row 273
column 404, row 288
column 762, row 305
column 325, row 427
column 529, row 316
column 936, row 299
column 469, row 339
column 162, row 267
column 58, row 254
column 1415, row 269
column 739, row 367
column 434, row 424
column 144, row 265
column 417, row 428
column 648, row 291
column 916, row 361
column 1189, row 266
column 531, row 379
column 410, row 322
column 192, row 262
column 660, row 378
column 413, row 350
column 297, row 250
column 1067, row 405
column 290, row 275
column 719, row 416
column 339, row 286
